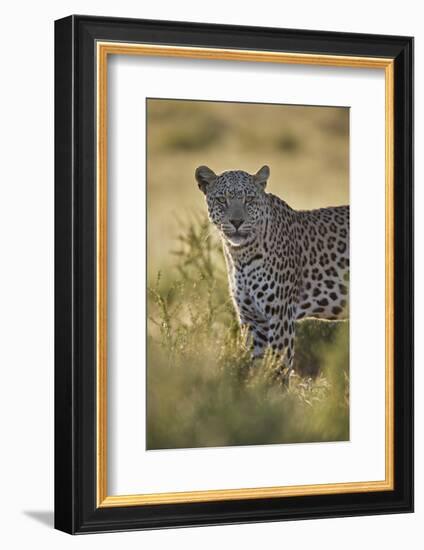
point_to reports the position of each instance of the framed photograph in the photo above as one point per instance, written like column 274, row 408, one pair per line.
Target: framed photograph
column 234, row 274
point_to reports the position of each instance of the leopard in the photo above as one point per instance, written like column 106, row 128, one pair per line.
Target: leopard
column 283, row 265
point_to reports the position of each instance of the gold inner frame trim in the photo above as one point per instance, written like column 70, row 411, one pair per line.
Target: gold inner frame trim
column 104, row 49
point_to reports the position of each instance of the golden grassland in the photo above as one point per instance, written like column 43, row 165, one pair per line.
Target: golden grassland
column 203, row 387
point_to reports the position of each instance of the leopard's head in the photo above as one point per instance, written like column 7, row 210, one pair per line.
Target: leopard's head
column 236, row 202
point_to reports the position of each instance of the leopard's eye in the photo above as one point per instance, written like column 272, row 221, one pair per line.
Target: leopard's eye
column 222, row 199
column 249, row 198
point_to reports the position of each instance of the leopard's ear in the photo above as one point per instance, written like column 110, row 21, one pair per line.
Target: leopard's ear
column 261, row 176
column 204, row 176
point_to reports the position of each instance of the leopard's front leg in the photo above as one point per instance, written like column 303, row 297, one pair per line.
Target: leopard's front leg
column 281, row 335
column 277, row 334
column 258, row 330
column 249, row 315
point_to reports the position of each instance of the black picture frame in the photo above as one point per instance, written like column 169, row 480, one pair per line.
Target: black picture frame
column 76, row 510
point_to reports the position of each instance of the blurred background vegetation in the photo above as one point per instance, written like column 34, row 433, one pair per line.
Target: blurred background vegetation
column 202, row 387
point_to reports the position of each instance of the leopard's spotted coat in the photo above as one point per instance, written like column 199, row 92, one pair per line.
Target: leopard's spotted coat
column 283, row 265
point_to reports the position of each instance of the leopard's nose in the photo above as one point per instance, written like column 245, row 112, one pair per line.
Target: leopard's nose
column 236, row 222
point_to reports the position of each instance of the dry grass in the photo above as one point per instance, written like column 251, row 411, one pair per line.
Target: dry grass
column 204, row 389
